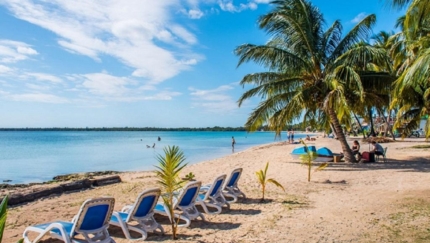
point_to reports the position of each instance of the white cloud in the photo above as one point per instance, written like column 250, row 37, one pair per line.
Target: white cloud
column 105, row 85
column 121, row 89
column 14, row 51
column 164, row 95
column 130, row 31
column 215, row 100
column 183, row 34
column 26, row 50
column 38, row 87
column 44, row 77
column 142, row 35
column 3, row 93
column 4, row 69
column 228, row 5
column 195, row 13
column 359, row 17
column 38, row 97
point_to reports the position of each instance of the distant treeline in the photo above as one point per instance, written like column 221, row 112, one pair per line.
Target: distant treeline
column 185, row 129
column 146, row 129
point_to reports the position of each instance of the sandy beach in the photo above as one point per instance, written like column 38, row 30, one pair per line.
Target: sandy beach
column 346, row 202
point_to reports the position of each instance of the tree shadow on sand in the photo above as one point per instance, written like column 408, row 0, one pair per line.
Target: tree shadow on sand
column 116, row 232
column 243, row 211
column 215, row 225
column 255, row 201
column 168, row 237
column 415, row 164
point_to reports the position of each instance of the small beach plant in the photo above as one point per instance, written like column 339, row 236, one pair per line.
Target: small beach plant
column 190, row 176
column 262, row 179
column 308, row 158
column 3, row 214
column 169, row 166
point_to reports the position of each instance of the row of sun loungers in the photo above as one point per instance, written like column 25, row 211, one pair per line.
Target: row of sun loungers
column 95, row 215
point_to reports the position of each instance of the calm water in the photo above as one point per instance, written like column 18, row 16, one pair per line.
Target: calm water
column 38, row 156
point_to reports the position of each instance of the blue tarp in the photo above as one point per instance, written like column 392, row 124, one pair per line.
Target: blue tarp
column 324, row 152
column 302, row 150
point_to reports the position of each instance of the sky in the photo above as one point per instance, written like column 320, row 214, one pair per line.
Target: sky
column 138, row 63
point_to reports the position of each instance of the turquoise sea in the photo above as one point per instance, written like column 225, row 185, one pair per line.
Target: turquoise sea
column 37, row 156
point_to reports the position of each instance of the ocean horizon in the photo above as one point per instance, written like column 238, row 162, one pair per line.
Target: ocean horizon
column 38, row 156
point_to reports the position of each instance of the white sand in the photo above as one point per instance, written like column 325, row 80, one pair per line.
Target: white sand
column 371, row 202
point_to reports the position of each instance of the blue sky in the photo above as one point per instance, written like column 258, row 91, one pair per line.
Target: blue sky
column 137, row 63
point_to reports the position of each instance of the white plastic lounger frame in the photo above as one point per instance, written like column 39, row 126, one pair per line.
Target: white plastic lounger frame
column 185, row 202
column 231, row 189
column 142, row 211
column 92, row 222
column 211, row 196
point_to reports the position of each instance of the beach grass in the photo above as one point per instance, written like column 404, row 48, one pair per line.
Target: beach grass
column 408, row 224
column 424, row 146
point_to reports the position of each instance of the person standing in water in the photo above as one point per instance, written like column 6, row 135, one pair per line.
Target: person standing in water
column 233, row 142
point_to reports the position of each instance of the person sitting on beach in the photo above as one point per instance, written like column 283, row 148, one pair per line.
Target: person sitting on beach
column 308, row 138
column 377, row 148
column 356, row 148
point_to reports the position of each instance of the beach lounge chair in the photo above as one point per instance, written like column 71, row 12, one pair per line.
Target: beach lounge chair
column 142, row 212
column 231, row 189
column 383, row 156
column 91, row 222
column 185, row 202
column 212, row 196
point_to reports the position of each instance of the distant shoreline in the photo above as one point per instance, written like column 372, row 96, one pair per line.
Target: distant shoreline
column 138, row 129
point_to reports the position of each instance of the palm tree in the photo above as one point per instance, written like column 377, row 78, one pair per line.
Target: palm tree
column 263, row 180
column 310, row 70
column 168, row 169
column 411, row 93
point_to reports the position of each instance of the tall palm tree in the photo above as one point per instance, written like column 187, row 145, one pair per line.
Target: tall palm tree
column 382, row 92
column 310, row 70
column 411, row 92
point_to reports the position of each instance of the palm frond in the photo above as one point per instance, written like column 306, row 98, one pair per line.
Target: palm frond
column 274, row 182
column 3, row 215
column 321, row 167
column 360, row 32
column 271, row 57
column 261, row 176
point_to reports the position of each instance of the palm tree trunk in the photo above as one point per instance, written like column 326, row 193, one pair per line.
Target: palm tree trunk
column 347, row 152
column 387, row 122
column 358, row 121
column 372, row 131
column 333, row 130
column 264, row 189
